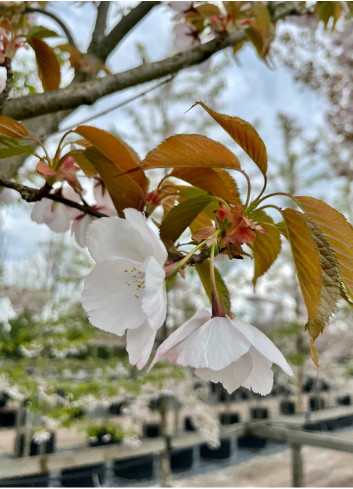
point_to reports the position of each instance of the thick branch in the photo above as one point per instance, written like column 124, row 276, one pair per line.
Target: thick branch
column 127, row 23
column 30, row 194
column 99, row 28
column 90, row 91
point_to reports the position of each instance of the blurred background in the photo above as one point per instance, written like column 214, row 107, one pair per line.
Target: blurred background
column 65, row 385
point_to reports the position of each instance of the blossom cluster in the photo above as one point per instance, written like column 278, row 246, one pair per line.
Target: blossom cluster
column 125, row 292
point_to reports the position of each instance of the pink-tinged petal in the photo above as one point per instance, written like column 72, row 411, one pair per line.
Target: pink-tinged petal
column 111, row 297
column 213, row 345
column 169, row 347
column 232, row 376
column 260, row 379
column 52, row 214
column 79, row 228
column 43, row 169
column 154, row 300
column 139, row 344
column 111, row 238
column 262, row 344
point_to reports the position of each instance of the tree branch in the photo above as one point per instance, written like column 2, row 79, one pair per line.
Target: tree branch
column 99, row 28
column 30, row 194
column 90, row 91
column 128, row 22
column 36, row 10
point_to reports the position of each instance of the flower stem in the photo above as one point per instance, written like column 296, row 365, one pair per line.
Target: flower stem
column 217, row 309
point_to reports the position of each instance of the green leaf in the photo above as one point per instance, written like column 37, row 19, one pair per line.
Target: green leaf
column 244, row 134
column 266, row 247
column 192, row 151
column 40, row 32
column 124, row 191
column 203, row 269
column 306, row 258
column 338, row 232
column 326, row 10
column 14, row 147
column 214, row 180
column 182, row 215
column 330, row 282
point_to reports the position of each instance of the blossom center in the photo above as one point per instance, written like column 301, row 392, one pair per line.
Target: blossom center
column 136, row 280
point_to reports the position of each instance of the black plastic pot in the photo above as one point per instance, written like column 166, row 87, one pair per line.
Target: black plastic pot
column 259, row 413
column 220, row 453
column 35, row 448
column 151, row 430
column 117, row 408
column 86, row 476
column 316, row 403
column 135, row 468
column 189, row 424
column 287, row 407
column 8, row 417
column 344, row 400
column 251, row 442
column 229, row 418
column 181, row 459
column 39, row 480
column 4, row 397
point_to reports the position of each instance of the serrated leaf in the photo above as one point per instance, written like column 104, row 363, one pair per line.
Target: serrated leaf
column 192, row 151
column 40, row 32
column 337, row 231
column 330, row 282
column 266, row 247
column 123, row 190
column 306, row 258
column 47, row 64
column 123, row 157
column 217, row 181
column 282, row 228
column 85, row 165
column 326, row 10
column 14, row 147
column 203, row 269
column 180, row 216
column 244, row 134
column 10, row 127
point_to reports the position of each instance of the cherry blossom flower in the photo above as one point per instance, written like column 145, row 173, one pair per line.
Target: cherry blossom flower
column 125, row 290
column 81, row 222
column 181, row 9
column 57, row 216
column 224, row 350
column 186, row 36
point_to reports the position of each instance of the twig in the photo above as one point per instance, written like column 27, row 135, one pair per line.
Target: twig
column 29, row 10
column 126, row 24
column 100, row 26
column 33, row 195
column 9, row 82
column 118, row 106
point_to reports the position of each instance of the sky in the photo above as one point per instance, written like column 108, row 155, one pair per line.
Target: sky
column 253, row 92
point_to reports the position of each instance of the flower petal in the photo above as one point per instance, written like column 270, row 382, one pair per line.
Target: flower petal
column 139, row 222
column 79, row 228
column 262, row 344
column 167, row 348
column 139, row 344
column 260, row 379
column 213, row 345
column 110, row 296
column 154, row 300
column 110, row 238
column 232, row 376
